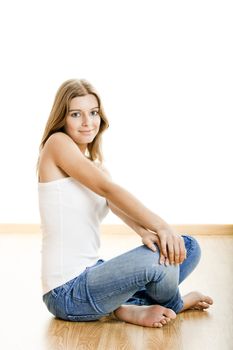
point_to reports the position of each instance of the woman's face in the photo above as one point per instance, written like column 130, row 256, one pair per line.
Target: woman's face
column 83, row 120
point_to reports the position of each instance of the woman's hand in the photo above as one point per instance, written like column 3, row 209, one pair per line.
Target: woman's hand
column 150, row 239
column 172, row 254
column 172, row 245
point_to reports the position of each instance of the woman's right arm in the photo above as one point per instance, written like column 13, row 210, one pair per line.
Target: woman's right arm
column 148, row 237
column 68, row 157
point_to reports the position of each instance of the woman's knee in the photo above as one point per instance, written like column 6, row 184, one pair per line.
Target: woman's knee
column 164, row 283
column 192, row 246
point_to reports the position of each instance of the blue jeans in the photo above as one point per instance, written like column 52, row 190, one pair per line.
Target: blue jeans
column 135, row 277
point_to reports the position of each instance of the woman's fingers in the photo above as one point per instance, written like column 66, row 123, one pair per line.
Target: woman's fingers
column 163, row 244
column 182, row 250
column 152, row 246
column 162, row 258
column 166, row 247
column 170, row 245
column 149, row 243
column 177, row 251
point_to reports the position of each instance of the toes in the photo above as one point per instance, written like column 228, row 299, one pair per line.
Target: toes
column 208, row 300
column 169, row 313
column 158, row 325
column 204, row 305
column 166, row 320
column 162, row 322
column 201, row 306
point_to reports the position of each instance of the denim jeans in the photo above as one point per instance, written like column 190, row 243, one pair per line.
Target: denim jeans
column 135, row 277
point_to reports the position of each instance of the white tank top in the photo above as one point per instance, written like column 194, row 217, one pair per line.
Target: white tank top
column 70, row 222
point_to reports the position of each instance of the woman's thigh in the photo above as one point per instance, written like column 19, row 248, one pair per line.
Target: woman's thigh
column 107, row 285
column 112, row 283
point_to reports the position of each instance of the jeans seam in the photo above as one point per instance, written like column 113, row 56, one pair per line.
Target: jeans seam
column 97, row 300
column 122, row 289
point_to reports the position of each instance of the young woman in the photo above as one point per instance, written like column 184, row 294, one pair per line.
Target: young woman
column 75, row 192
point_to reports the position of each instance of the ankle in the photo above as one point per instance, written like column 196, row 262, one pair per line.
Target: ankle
column 113, row 315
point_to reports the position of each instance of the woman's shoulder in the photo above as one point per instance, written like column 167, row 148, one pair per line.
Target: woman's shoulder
column 57, row 137
column 47, row 168
column 56, row 142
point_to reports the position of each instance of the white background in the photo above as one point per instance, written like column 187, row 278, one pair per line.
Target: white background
column 164, row 71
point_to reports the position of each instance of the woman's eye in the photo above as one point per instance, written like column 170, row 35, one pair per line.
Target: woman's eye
column 75, row 114
column 94, row 113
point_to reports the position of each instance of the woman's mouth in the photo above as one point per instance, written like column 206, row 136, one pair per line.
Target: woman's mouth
column 86, row 131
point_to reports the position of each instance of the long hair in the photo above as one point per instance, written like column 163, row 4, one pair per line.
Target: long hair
column 56, row 121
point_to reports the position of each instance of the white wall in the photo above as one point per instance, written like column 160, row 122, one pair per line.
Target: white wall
column 164, row 70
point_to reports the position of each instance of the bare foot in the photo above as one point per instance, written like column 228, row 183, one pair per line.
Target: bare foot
column 148, row 316
column 196, row 301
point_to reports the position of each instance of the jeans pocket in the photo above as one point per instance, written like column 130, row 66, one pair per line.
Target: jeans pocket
column 79, row 289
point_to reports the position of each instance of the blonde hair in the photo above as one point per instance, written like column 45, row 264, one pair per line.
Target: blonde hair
column 56, row 121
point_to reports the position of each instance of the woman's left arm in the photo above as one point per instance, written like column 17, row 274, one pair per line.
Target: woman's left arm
column 148, row 237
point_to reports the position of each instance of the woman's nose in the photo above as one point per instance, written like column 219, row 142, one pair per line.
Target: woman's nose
column 86, row 119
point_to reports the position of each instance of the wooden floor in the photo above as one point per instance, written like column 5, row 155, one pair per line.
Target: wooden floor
column 26, row 324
